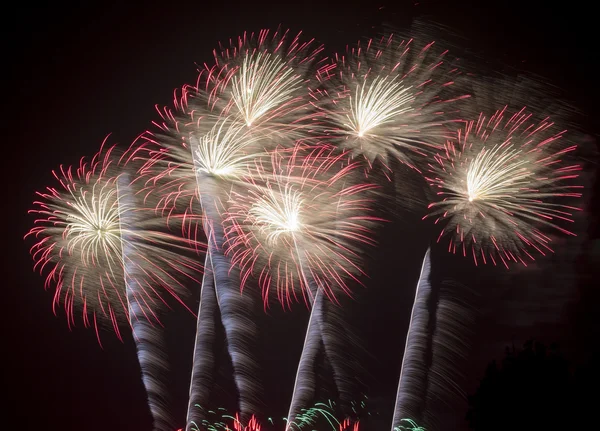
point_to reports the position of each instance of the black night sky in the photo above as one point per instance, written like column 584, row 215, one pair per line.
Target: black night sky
column 79, row 73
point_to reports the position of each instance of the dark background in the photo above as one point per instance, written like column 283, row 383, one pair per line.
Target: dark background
column 78, row 73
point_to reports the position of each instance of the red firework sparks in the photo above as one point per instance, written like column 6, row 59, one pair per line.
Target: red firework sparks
column 501, row 183
column 80, row 241
column 387, row 98
column 300, row 218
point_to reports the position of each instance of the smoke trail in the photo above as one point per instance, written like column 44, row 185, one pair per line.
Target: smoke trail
column 409, row 396
column 445, row 400
column 325, row 329
column 430, row 387
column 148, row 337
column 240, row 327
column 304, row 386
column 337, row 343
column 203, row 366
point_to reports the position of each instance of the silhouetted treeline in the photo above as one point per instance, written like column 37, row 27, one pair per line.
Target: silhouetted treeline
column 535, row 389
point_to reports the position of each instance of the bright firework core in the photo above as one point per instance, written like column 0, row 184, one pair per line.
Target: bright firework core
column 221, row 151
column 93, row 224
column 262, row 84
column 277, row 213
column 492, row 173
column 378, row 103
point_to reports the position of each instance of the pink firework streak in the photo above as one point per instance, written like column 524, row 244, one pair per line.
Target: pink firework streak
column 167, row 179
column 300, row 219
column 80, row 248
column 500, row 182
column 262, row 80
column 389, row 98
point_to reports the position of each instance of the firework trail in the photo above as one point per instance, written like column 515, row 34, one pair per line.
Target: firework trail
column 412, row 369
column 436, row 343
column 306, row 379
column 500, row 183
column 203, row 368
column 386, row 99
column 113, row 261
column 216, row 157
column 196, row 166
column 297, row 226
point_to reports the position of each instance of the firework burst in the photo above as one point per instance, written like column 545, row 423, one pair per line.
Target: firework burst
column 114, row 260
column 80, row 235
column 387, row 99
column 253, row 97
column 261, row 80
column 300, row 221
column 500, row 183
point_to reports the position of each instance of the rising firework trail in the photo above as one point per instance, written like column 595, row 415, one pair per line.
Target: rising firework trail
column 297, row 226
column 411, row 372
column 204, row 365
column 196, row 166
column 113, row 261
column 438, row 338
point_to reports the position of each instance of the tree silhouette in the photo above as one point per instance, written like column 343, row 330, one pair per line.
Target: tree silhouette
column 533, row 389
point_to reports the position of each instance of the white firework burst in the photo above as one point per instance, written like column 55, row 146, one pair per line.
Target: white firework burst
column 300, row 220
column 81, row 235
column 225, row 150
column 388, row 99
column 501, row 184
column 262, row 86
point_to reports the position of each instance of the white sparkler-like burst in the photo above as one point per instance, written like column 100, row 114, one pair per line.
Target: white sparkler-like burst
column 387, row 99
column 378, row 104
column 260, row 80
column 300, row 220
column 80, row 237
column 277, row 214
column 262, row 86
column 92, row 226
column 225, row 150
column 501, row 183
